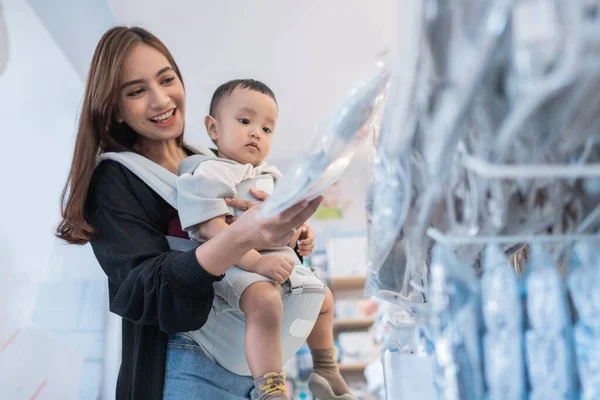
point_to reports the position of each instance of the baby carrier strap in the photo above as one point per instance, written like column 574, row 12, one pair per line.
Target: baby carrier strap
column 159, row 179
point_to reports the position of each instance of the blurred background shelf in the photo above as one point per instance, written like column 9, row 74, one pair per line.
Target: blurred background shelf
column 352, row 324
column 352, row 368
column 339, row 283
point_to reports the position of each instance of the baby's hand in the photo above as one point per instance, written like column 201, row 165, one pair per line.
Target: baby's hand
column 306, row 241
column 275, row 267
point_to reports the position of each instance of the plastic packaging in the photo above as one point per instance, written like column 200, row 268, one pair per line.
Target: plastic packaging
column 390, row 274
column 544, row 63
column 504, row 363
column 583, row 282
column 390, row 188
column 442, row 63
column 463, row 38
column 548, row 338
column 391, row 194
column 334, row 145
column 455, row 324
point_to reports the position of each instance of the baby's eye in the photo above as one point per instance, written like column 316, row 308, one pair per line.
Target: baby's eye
column 244, row 121
column 266, row 130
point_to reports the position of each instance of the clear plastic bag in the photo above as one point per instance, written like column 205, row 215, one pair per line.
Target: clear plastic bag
column 389, row 192
column 333, row 147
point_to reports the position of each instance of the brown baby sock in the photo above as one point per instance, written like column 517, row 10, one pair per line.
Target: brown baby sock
column 324, row 365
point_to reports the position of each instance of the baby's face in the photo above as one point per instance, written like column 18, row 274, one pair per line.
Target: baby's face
column 244, row 125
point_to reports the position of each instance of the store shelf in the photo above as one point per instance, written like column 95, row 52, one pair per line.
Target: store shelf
column 352, row 324
column 354, row 368
column 339, row 283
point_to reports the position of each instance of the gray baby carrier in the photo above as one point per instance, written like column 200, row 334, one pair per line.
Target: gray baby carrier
column 222, row 337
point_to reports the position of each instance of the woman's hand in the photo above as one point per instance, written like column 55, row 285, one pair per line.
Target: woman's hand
column 278, row 230
column 245, row 205
column 249, row 232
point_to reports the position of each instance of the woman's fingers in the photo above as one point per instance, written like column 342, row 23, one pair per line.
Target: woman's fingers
column 276, row 231
column 305, row 212
column 301, row 211
column 294, row 210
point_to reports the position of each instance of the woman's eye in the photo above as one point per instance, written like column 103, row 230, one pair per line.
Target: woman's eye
column 244, row 121
column 136, row 93
column 168, row 80
column 266, row 130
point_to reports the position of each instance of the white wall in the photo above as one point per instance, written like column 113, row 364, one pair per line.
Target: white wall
column 44, row 283
column 76, row 26
column 40, row 94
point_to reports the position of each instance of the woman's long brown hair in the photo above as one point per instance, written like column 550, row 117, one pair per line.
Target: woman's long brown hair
column 98, row 130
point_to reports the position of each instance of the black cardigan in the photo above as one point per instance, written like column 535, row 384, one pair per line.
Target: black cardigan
column 155, row 290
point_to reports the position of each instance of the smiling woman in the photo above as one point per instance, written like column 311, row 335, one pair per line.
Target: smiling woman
column 152, row 97
column 152, row 102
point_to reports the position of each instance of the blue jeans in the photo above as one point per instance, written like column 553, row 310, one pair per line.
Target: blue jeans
column 190, row 375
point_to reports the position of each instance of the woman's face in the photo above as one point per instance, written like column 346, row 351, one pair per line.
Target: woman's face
column 152, row 99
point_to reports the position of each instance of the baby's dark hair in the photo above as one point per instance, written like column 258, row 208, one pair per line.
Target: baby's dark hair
column 228, row 87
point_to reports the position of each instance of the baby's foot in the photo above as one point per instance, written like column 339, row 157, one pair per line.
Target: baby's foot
column 326, row 378
column 321, row 389
column 271, row 387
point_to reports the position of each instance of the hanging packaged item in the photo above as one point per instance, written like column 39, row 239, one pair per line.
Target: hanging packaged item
column 548, row 338
column 583, row 282
column 455, row 324
column 504, row 364
column 335, row 143
column 389, row 190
